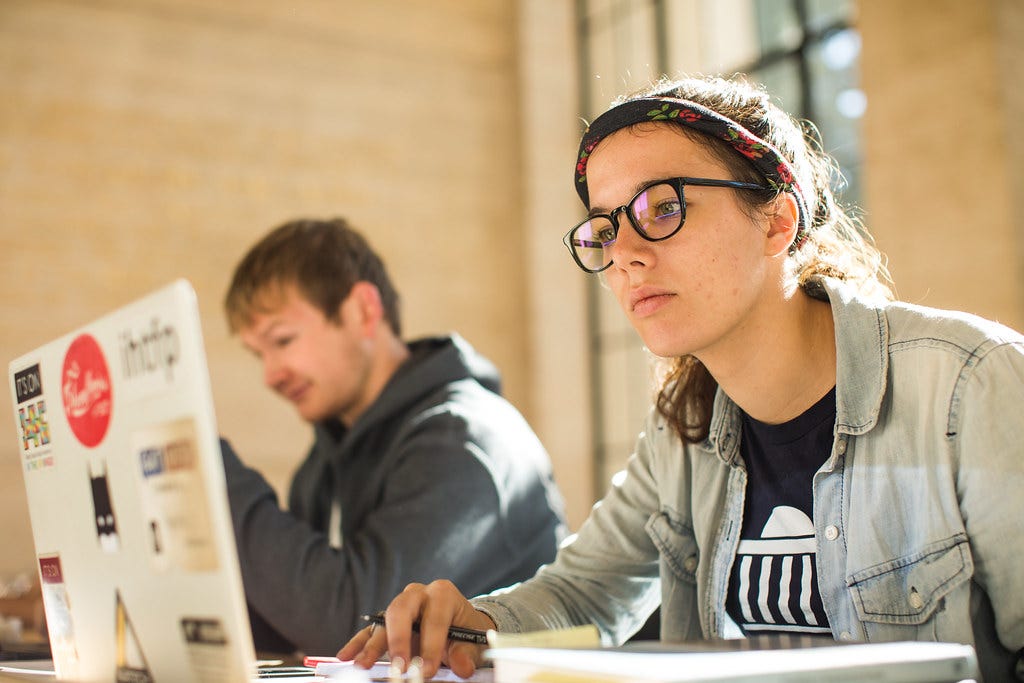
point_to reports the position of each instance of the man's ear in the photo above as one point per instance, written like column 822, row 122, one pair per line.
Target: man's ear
column 362, row 308
column 782, row 225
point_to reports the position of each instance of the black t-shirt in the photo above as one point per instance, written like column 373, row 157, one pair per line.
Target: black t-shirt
column 774, row 583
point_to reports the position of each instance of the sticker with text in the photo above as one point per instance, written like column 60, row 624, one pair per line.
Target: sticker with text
column 173, row 494
column 58, row 616
column 207, row 646
column 149, row 352
column 86, row 391
column 33, row 420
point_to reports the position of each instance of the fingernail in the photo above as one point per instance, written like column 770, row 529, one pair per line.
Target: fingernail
column 395, row 669
column 416, row 670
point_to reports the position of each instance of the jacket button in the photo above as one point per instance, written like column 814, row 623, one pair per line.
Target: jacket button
column 916, row 601
column 831, row 532
column 690, row 563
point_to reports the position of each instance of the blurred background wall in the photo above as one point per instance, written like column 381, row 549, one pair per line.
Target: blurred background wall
column 145, row 140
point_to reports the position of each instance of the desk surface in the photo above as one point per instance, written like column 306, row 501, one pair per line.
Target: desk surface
column 39, row 670
column 27, row 670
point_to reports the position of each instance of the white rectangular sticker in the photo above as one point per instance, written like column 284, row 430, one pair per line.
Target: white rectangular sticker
column 174, row 503
column 58, row 616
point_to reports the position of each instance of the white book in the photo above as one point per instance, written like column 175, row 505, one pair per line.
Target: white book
column 876, row 662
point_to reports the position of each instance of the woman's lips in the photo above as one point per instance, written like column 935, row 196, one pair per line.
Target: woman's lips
column 647, row 300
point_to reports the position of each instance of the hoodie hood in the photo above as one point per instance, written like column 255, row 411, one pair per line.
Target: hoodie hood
column 433, row 363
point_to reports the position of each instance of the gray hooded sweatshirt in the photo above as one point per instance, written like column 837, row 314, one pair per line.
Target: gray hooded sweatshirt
column 440, row 478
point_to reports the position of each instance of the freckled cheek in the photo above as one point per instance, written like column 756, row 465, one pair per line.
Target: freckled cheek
column 722, row 270
column 703, row 279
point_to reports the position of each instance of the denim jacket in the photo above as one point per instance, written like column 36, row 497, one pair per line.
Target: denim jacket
column 917, row 511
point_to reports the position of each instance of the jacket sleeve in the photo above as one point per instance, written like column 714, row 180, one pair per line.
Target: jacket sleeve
column 990, row 443
column 606, row 575
column 442, row 515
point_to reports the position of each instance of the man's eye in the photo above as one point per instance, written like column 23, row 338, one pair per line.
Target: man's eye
column 282, row 342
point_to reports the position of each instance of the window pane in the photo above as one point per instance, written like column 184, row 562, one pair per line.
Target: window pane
column 622, row 52
column 727, row 35
column 782, row 80
column 778, row 27
column 824, row 13
column 838, row 102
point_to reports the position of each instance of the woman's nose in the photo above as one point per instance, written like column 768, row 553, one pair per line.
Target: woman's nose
column 628, row 248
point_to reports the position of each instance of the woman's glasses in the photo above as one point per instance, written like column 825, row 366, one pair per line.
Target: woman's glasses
column 656, row 212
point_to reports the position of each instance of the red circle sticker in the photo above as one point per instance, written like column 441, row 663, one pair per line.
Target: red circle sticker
column 85, row 388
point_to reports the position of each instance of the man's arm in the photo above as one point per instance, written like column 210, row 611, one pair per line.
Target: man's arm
column 441, row 517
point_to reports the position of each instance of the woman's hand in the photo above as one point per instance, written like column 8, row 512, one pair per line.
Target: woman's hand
column 434, row 608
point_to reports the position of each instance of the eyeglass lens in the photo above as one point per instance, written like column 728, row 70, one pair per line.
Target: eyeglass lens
column 655, row 213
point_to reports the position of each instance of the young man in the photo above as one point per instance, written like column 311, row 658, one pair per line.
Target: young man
column 419, row 469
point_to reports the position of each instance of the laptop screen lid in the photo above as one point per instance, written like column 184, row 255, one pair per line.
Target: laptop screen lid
column 125, row 484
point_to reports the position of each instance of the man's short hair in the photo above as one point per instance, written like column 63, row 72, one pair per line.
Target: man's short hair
column 322, row 258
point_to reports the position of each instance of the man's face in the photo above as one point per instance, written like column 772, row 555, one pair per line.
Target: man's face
column 319, row 365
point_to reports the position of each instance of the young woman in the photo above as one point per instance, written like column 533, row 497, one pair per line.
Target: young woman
column 820, row 460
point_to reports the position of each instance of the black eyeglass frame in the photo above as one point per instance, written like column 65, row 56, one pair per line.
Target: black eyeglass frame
column 627, row 208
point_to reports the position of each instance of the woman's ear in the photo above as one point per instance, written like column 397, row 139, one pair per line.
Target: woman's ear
column 783, row 221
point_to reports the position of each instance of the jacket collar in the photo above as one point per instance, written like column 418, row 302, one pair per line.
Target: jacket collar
column 862, row 357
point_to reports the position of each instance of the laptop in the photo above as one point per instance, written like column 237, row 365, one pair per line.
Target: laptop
column 128, row 504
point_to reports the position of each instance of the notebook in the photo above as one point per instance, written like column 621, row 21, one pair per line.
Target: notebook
column 121, row 460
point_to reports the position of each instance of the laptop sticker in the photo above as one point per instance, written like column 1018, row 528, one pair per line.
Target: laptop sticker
column 131, row 662
column 206, row 642
column 58, row 616
column 103, row 510
column 86, row 390
column 148, row 352
column 33, row 421
column 174, row 501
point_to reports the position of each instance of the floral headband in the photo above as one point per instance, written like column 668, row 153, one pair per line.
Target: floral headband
column 768, row 161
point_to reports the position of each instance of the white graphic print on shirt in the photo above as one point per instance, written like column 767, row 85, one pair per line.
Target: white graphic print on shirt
column 777, row 582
